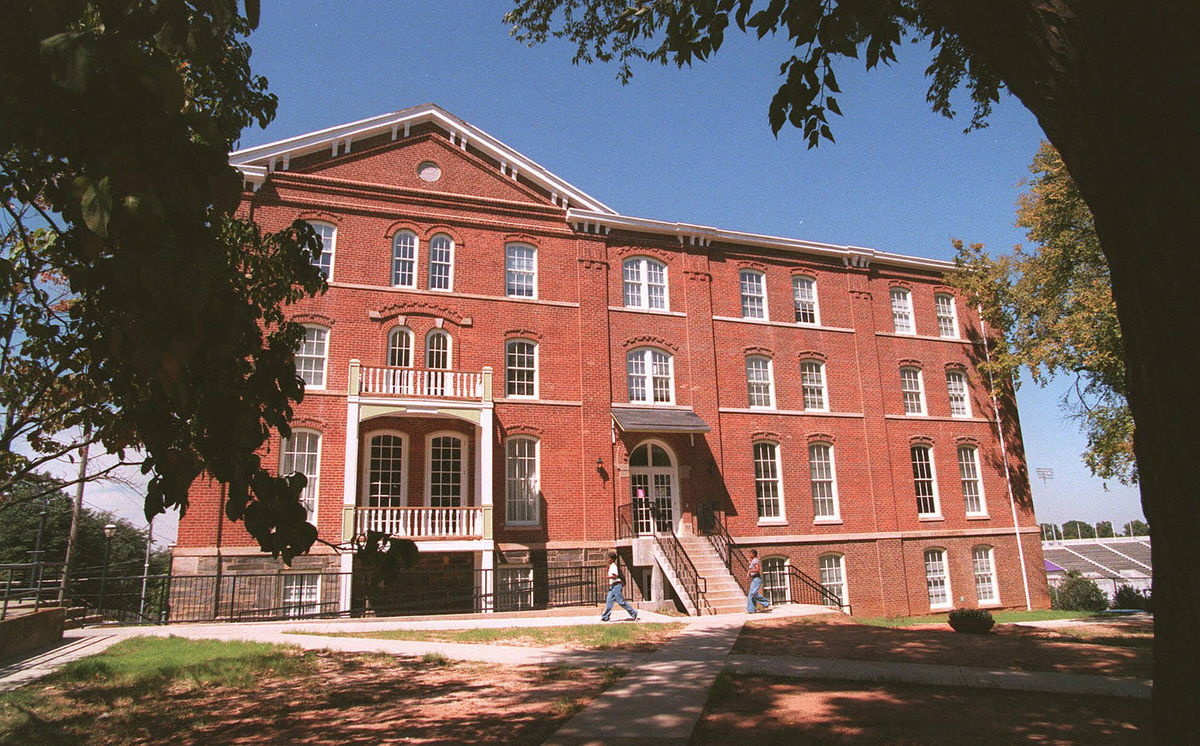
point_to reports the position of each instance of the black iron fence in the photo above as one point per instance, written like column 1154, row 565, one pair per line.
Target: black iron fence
column 29, row 586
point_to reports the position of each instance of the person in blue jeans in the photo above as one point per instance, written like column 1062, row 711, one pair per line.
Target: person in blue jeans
column 756, row 596
column 615, row 591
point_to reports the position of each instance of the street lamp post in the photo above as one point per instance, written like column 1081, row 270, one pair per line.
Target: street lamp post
column 109, row 530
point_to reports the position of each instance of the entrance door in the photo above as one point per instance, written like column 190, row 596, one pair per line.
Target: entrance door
column 446, row 459
column 653, row 481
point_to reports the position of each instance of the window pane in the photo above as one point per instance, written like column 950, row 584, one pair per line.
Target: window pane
column 935, row 578
column 902, row 311
column 656, row 284
column 758, row 381
column 441, row 257
column 968, row 469
column 310, row 358
column 661, row 370
column 833, row 575
column 985, row 574
column 326, row 234
column 766, row 480
column 804, row 292
column 385, row 472
column 445, row 471
column 520, row 369
column 404, row 259
column 753, row 296
column 947, row 318
column 636, row 369
column 812, row 383
column 301, row 595
column 820, row 464
column 300, row 454
column 520, row 262
column 437, row 351
column 923, row 482
column 521, row 480
column 775, row 580
column 913, row 391
column 633, row 283
column 956, row 384
column 400, row 348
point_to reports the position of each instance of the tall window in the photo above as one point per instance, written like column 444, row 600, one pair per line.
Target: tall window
column 521, row 481
column 925, row 481
column 404, row 259
column 956, row 384
column 937, row 582
column 328, row 235
column 645, row 283
column 824, row 484
column 972, row 487
column 445, row 471
column 767, row 486
column 985, row 574
column 804, row 295
column 912, row 386
column 758, row 381
column 441, row 262
column 754, row 294
column 310, row 358
column 386, row 485
column 520, row 368
column 520, row 270
column 400, row 344
column 775, row 579
column 437, row 350
column 947, row 316
column 902, row 311
column 650, row 376
column 812, row 384
column 833, row 575
column 301, row 454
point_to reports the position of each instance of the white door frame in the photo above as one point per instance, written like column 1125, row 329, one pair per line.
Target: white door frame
column 650, row 471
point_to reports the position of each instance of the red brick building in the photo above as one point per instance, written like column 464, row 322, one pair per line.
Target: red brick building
column 513, row 374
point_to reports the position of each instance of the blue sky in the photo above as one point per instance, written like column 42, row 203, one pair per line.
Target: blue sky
column 692, row 145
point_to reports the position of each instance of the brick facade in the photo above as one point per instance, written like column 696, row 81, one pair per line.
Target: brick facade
column 584, row 333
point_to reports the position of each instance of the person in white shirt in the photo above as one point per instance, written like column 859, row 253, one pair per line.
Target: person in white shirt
column 615, row 591
column 756, row 596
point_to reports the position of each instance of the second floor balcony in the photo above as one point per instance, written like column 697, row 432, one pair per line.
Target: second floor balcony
column 420, row 383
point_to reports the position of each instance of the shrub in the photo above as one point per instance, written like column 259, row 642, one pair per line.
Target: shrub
column 1128, row 597
column 1077, row 593
column 974, row 621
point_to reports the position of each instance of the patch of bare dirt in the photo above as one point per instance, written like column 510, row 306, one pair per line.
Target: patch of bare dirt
column 1111, row 648
column 777, row 711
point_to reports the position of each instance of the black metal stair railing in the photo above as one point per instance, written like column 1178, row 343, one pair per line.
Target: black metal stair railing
column 694, row 584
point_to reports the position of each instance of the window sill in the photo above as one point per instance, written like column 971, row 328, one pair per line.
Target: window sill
column 523, row 526
column 651, row 311
column 914, row 335
column 772, row 522
column 990, row 604
column 787, row 324
column 827, row 521
column 941, row 607
column 930, row 517
column 978, row 517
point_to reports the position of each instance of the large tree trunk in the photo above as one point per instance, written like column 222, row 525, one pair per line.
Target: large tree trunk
column 1114, row 86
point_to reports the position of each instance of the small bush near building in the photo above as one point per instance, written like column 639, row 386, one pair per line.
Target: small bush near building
column 974, row 621
column 1128, row 597
column 1078, row 593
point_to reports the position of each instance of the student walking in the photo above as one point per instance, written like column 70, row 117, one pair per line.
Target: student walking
column 616, row 591
column 756, row 596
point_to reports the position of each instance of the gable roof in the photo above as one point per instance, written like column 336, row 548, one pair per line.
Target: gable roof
column 256, row 162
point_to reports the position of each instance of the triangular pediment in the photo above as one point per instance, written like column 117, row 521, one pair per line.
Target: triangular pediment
column 423, row 147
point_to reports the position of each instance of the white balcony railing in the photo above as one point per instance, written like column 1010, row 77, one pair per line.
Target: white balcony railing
column 421, row 383
column 421, row 523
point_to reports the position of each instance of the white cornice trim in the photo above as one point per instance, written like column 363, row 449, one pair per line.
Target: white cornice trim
column 512, row 163
column 704, row 235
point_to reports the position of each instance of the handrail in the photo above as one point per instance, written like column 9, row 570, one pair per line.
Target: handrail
column 685, row 570
column 825, row 596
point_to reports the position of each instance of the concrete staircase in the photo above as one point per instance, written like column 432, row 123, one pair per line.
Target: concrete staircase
column 724, row 594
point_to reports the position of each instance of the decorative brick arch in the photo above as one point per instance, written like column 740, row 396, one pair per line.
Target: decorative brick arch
column 811, row 355
column 820, row 438
column 314, row 318
column 760, row 435
column 522, row 429
column 311, row 423
column 757, row 350
column 401, row 225
column 967, row 440
column 422, row 308
column 320, row 216
column 443, row 228
column 522, row 334
column 649, row 340
column 920, row 440
column 629, row 252
column 911, row 363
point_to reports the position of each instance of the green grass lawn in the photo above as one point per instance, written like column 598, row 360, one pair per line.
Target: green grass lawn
column 1001, row 617
column 614, row 636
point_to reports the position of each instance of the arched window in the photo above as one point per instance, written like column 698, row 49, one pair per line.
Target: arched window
column 445, row 480
column 521, row 481
column 653, row 489
column 956, row 385
column 812, row 385
column 902, row 317
column 328, row 235
column 804, row 297
column 947, row 316
column 520, row 270
column 441, row 262
column 768, row 485
column 925, row 481
column 311, row 356
column 386, row 479
column 759, row 386
column 912, row 388
column 437, row 350
column 984, row 568
column 937, row 579
column 824, row 482
column 404, row 259
column 301, row 454
column 972, row 485
column 832, row 568
column 520, row 368
column 754, row 294
column 775, row 579
column 651, row 376
column 645, row 283
column 400, row 347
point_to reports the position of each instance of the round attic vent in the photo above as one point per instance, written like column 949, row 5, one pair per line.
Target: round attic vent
column 429, row 171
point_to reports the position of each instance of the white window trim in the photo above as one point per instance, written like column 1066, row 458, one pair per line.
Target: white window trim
column 535, row 270
column 953, row 316
column 416, row 259
column 815, row 300
column 841, row 558
column 644, row 283
column 781, row 519
column 770, row 382
column 966, row 393
column 364, row 490
column 412, row 345
column 463, row 468
column 315, row 482
column 837, row 503
column 983, row 509
column 449, row 348
column 537, row 490
column 949, row 602
column 283, row 591
column 991, row 550
column 762, row 278
column 429, row 264
column 324, row 360
column 536, row 369
column 824, row 386
column 908, row 303
column 937, row 499
column 648, row 361
column 920, row 392
column 332, row 245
